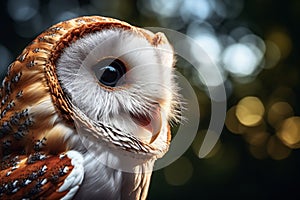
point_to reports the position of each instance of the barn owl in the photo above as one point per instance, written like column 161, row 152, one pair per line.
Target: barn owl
column 85, row 112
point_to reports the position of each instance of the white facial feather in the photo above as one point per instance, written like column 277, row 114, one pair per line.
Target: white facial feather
column 148, row 81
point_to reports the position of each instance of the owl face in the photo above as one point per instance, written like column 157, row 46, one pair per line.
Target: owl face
column 122, row 76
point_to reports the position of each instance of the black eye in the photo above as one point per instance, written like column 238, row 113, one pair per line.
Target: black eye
column 109, row 71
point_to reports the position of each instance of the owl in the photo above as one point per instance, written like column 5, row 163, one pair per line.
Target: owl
column 85, row 112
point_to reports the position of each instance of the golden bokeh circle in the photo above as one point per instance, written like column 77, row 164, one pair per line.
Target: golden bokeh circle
column 250, row 111
column 289, row 132
column 278, row 112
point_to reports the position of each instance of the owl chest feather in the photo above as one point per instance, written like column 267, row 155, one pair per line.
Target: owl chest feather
column 104, row 178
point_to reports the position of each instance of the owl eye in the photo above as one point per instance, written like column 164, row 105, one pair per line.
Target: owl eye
column 109, row 71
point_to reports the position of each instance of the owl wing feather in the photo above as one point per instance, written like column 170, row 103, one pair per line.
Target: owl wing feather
column 41, row 176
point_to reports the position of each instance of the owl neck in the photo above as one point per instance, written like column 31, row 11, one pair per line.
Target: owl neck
column 111, row 173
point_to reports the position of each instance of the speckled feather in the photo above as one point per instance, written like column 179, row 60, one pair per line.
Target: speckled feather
column 35, row 176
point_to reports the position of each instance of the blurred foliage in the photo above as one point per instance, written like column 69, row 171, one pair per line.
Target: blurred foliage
column 255, row 42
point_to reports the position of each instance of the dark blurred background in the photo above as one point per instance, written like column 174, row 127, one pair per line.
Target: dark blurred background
column 256, row 46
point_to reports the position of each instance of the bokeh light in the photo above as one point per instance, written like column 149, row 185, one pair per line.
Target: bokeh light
column 289, row 132
column 272, row 55
column 22, row 10
column 250, row 111
column 240, row 60
column 195, row 10
column 276, row 149
column 258, row 152
column 281, row 38
column 210, row 44
column 278, row 112
column 232, row 122
column 257, row 137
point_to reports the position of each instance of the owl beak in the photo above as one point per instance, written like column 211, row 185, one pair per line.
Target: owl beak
column 151, row 123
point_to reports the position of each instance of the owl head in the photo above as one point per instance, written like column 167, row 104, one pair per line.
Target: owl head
column 92, row 93
column 123, row 77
